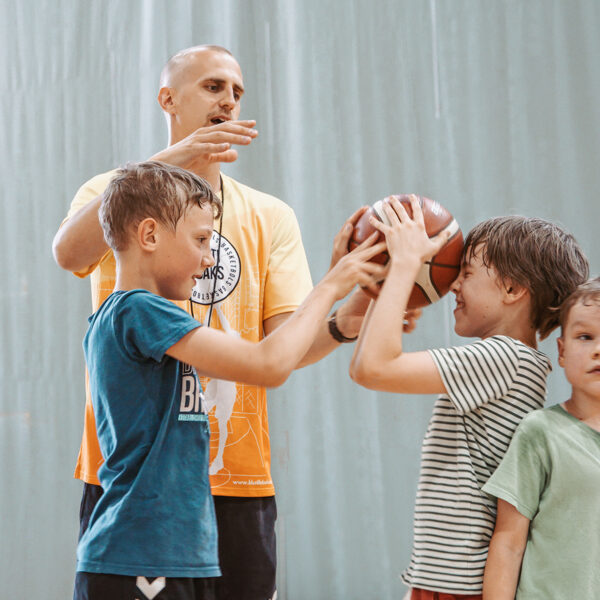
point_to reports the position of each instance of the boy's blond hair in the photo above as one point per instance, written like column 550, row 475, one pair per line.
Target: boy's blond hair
column 150, row 189
column 587, row 293
column 536, row 254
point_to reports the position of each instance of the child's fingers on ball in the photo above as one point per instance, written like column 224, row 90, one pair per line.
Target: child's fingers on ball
column 373, row 249
column 378, row 225
column 377, row 271
column 369, row 243
column 371, row 253
column 417, row 211
column 441, row 239
column 396, row 206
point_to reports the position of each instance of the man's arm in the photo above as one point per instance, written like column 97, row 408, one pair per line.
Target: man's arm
column 80, row 243
column 505, row 554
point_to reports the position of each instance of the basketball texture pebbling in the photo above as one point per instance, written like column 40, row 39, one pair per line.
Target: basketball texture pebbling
column 436, row 275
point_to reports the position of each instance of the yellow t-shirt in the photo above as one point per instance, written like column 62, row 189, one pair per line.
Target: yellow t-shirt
column 262, row 272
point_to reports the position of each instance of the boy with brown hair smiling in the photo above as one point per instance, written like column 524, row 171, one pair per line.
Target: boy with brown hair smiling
column 546, row 543
column 155, row 520
column 515, row 273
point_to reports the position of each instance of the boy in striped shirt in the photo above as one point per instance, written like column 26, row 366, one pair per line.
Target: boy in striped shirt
column 515, row 273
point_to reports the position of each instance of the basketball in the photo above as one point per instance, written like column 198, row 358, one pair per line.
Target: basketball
column 436, row 275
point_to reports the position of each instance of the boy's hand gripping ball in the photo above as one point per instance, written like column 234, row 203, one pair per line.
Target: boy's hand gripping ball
column 436, row 275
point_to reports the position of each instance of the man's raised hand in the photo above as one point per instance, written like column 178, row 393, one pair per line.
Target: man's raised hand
column 208, row 145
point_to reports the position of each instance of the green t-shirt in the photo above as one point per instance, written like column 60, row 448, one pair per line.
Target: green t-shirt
column 551, row 475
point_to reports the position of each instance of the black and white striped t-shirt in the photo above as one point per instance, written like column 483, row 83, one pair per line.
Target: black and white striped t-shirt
column 492, row 384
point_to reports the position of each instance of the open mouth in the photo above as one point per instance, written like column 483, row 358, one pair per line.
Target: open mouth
column 218, row 120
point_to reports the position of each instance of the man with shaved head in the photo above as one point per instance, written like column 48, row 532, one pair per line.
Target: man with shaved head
column 259, row 278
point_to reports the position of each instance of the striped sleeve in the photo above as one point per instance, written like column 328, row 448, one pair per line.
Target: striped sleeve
column 477, row 373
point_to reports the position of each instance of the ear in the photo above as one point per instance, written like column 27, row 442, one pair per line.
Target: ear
column 513, row 292
column 166, row 99
column 147, row 234
column 561, row 351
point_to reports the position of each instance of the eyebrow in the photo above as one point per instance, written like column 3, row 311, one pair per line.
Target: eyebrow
column 580, row 324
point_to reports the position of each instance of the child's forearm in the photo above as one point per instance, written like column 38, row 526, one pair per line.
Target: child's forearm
column 270, row 362
column 502, row 568
column 505, row 553
column 388, row 313
column 285, row 347
column 380, row 340
column 267, row 363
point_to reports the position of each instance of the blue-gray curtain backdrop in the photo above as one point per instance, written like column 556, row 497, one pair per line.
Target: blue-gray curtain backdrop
column 489, row 106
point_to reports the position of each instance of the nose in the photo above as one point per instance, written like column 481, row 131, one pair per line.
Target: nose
column 228, row 100
column 455, row 287
column 208, row 260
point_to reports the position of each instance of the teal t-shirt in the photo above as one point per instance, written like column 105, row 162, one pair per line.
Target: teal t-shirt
column 551, row 475
column 156, row 516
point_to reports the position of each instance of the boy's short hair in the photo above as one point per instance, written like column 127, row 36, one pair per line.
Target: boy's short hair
column 150, row 189
column 587, row 293
column 536, row 254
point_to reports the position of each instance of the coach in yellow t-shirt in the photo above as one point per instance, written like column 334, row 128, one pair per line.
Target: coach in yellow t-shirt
column 260, row 276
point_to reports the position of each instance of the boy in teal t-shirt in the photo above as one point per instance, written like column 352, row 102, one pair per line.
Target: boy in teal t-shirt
column 546, row 543
column 154, row 527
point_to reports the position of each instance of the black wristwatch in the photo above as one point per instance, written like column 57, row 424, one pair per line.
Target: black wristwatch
column 336, row 334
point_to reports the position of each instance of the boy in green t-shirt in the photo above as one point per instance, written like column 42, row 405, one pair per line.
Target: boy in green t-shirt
column 546, row 543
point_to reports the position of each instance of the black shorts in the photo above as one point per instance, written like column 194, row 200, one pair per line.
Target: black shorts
column 100, row 586
column 89, row 498
column 247, row 552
